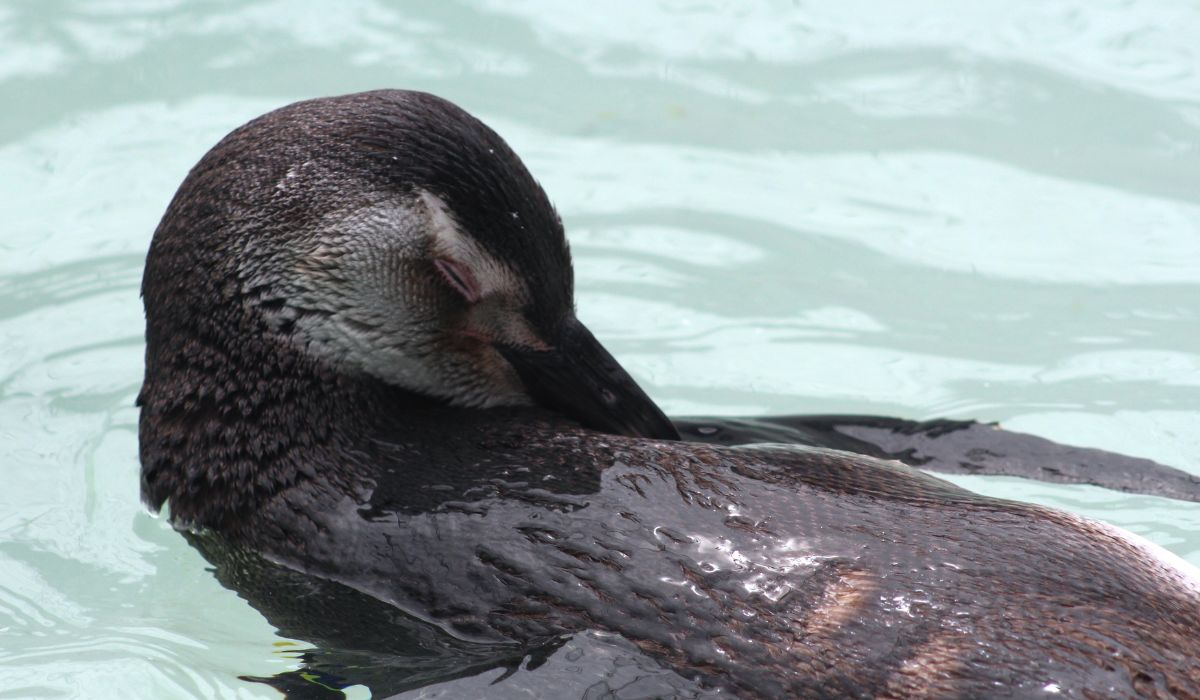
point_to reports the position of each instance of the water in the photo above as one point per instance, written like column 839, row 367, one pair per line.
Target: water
column 866, row 207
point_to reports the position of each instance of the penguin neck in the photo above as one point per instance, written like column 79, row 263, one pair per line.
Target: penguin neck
column 226, row 426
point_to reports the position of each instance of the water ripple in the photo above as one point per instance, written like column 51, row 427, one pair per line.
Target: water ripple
column 839, row 206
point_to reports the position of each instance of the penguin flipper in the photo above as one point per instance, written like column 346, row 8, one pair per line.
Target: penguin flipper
column 953, row 447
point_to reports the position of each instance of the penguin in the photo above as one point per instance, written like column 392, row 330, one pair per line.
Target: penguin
column 363, row 365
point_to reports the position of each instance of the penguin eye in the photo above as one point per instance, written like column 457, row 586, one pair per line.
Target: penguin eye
column 460, row 278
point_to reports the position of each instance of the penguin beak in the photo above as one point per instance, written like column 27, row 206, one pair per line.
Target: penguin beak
column 579, row 378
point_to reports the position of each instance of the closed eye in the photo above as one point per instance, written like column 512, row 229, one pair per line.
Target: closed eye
column 460, row 278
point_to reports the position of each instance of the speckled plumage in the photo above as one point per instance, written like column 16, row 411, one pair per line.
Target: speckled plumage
column 769, row 571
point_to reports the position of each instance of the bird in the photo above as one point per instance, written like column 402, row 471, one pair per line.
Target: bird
column 364, row 365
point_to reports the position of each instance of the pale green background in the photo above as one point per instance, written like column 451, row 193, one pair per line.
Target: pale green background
column 984, row 209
